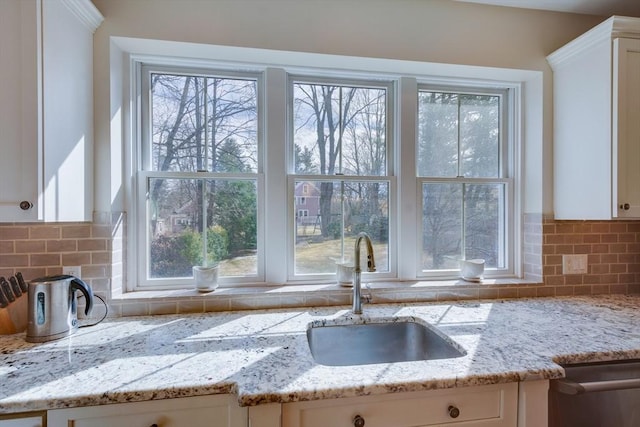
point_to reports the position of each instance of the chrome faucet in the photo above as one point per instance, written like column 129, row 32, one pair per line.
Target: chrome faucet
column 357, row 271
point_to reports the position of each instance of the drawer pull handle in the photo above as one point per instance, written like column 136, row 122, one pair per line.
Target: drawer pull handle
column 453, row 411
column 567, row 386
column 358, row 421
column 25, row 205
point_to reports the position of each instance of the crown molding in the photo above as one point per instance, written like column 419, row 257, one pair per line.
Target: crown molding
column 86, row 12
column 612, row 28
column 625, row 27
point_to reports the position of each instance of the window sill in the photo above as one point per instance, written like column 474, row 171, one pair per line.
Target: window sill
column 290, row 296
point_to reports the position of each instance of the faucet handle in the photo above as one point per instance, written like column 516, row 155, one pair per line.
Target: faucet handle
column 368, row 297
column 371, row 264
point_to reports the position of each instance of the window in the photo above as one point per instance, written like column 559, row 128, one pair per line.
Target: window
column 463, row 173
column 340, row 140
column 431, row 186
column 199, row 180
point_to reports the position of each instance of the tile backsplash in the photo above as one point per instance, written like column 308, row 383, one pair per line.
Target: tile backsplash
column 38, row 249
column 612, row 247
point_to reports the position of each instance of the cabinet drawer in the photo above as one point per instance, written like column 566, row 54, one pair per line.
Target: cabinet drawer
column 494, row 405
column 23, row 420
column 204, row 411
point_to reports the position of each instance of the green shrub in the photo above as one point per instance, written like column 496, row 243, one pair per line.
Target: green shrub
column 217, row 243
column 170, row 257
column 173, row 256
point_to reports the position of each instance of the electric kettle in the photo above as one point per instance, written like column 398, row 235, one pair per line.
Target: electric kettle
column 52, row 307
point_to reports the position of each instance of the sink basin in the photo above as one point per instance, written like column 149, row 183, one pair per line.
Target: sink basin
column 378, row 342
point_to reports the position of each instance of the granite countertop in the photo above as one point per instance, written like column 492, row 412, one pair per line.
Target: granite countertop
column 263, row 356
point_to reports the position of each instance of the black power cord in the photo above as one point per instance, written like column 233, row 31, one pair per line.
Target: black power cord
column 106, row 312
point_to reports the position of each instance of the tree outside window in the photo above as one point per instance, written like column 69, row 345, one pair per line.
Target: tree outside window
column 340, row 133
column 202, row 193
column 461, row 170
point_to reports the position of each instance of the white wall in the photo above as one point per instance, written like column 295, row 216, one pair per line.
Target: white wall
column 418, row 30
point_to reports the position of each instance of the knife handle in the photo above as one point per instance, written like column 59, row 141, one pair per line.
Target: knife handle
column 6, row 288
column 22, row 283
column 15, row 287
column 3, row 300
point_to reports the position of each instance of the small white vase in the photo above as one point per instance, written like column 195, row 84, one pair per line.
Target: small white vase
column 205, row 278
column 344, row 273
column 472, row 269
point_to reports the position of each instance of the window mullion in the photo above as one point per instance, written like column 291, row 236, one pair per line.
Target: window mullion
column 407, row 207
column 463, row 231
column 277, row 209
column 458, row 125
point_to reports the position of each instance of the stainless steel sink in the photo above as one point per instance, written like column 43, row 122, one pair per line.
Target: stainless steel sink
column 378, row 342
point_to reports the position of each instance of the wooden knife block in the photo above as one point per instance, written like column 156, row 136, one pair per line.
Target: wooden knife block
column 13, row 318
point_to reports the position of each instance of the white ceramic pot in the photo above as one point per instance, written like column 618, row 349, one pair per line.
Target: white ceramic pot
column 344, row 273
column 471, row 269
column 205, row 278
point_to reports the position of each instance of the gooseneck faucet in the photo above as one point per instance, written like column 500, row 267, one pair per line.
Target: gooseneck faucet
column 357, row 271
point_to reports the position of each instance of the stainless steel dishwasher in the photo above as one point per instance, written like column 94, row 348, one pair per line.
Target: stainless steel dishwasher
column 596, row 395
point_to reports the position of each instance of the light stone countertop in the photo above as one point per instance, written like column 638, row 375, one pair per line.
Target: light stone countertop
column 263, row 356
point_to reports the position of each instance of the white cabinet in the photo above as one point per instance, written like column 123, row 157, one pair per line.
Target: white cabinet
column 46, row 109
column 23, row 420
column 626, row 129
column 487, row 406
column 596, row 141
column 500, row 405
column 202, row 411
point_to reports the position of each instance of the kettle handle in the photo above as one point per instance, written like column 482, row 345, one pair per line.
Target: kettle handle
column 79, row 285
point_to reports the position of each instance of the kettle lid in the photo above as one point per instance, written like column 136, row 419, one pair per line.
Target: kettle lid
column 55, row 278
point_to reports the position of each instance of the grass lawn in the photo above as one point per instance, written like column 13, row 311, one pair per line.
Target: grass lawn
column 312, row 258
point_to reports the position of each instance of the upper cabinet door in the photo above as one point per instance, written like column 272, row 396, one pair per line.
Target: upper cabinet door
column 626, row 129
column 46, row 110
column 20, row 172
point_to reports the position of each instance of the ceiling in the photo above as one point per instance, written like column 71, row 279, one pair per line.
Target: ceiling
column 588, row 7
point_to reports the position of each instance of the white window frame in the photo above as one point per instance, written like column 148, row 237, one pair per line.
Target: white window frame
column 144, row 67
column 347, row 80
column 508, row 176
column 273, row 251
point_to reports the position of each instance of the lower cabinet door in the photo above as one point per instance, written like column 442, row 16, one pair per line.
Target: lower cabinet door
column 22, row 420
column 486, row 406
column 202, row 411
